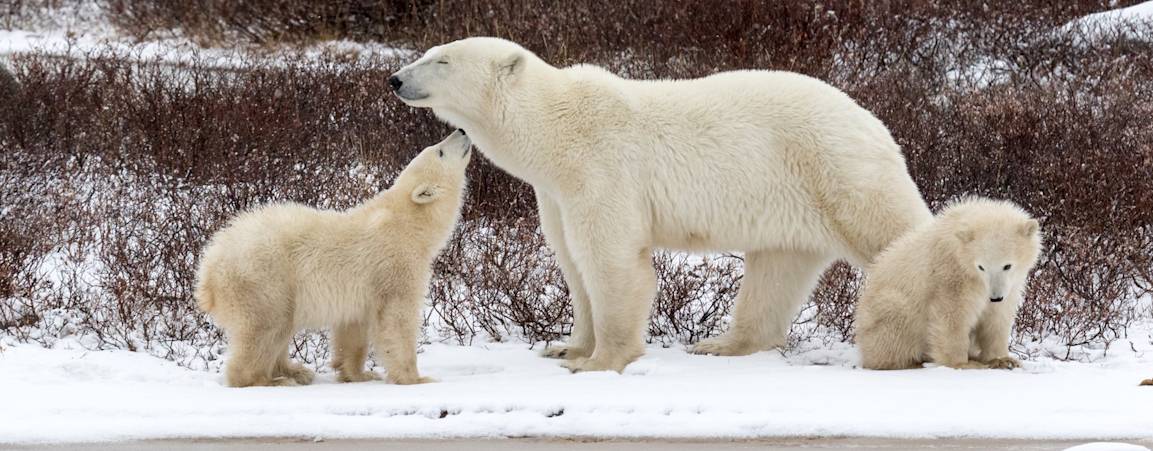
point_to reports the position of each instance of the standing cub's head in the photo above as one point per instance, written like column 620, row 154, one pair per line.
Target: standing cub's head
column 437, row 173
column 461, row 77
column 998, row 242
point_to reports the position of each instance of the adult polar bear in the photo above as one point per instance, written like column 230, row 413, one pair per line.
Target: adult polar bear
column 779, row 165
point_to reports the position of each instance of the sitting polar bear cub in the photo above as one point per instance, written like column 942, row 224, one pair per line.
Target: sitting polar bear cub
column 778, row 165
column 365, row 272
column 949, row 288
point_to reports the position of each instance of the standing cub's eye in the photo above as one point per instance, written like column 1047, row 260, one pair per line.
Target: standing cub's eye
column 982, row 268
column 1006, row 268
column 440, row 153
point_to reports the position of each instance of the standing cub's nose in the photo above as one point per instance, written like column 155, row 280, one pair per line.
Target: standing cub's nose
column 395, row 82
column 996, row 299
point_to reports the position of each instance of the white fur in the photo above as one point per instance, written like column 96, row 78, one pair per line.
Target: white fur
column 929, row 297
column 365, row 272
column 779, row 165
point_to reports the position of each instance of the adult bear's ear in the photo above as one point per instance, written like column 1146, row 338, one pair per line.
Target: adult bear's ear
column 426, row 192
column 512, row 64
column 966, row 236
column 1030, row 228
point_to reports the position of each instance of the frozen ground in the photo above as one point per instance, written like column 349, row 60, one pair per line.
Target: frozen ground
column 505, row 390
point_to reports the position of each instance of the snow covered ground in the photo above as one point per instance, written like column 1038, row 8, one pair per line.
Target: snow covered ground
column 506, row 390
column 1133, row 20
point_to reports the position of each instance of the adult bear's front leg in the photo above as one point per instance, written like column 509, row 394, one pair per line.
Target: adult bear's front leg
column 616, row 268
column 582, row 341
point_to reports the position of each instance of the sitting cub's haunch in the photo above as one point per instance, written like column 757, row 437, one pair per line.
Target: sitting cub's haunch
column 947, row 291
column 365, row 272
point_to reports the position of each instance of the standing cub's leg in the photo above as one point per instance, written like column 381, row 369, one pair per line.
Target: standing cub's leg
column 396, row 332
column 349, row 350
column 256, row 356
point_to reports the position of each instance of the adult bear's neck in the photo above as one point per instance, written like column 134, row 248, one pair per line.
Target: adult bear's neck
column 517, row 133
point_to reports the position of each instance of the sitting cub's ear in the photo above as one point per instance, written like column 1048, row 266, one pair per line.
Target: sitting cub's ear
column 512, row 64
column 966, row 236
column 1030, row 227
column 426, row 192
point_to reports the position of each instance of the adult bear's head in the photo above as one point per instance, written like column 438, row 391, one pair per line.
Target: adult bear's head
column 462, row 78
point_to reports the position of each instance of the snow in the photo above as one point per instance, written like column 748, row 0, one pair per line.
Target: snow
column 83, row 30
column 69, row 394
column 1134, row 21
column 1107, row 446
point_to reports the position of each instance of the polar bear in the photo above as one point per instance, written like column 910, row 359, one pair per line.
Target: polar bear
column 948, row 291
column 365, row 272
column 778, row 165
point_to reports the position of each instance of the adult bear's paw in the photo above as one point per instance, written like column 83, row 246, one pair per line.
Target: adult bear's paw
column 569, row 352
column 583, row 364
column 726, row 346
column 1004, row 363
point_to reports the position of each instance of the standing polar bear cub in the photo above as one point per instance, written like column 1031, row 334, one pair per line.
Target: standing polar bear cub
column 948, row 291
column 778, row 165
column 365, row 272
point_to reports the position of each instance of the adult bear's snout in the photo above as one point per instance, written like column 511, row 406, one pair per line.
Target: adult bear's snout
column 395, row 82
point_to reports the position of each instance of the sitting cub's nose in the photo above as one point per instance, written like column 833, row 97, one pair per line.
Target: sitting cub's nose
column 395, row 82
column 996, row 299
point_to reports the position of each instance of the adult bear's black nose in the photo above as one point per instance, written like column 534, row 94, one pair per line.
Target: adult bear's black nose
column 996, row 299
column 395, row 82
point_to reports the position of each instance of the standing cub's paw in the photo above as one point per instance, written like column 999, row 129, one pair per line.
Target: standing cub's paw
column 1147, row 382
column 299, row 374
column 969, row 365
column 409, row 380
column 363, row 376
column 1004, row 363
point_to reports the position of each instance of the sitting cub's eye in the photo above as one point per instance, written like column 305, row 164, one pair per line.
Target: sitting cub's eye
column 440, row 153
column 442, row 62
column 1006, row 268
column 982, row 268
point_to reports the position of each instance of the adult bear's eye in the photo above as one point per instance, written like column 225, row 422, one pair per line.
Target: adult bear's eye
column 1006, row 268
column 982, row 268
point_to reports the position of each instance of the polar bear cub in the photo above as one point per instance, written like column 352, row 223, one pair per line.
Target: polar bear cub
column 364, row 272
column 948, row 288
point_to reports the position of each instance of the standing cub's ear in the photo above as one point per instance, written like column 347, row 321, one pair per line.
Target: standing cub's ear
column 966, row 236
column 511, row 64
column 426, row 192
column 1030, row 227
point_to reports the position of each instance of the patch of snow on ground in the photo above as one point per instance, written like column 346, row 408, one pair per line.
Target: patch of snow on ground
column 506, row 390
column 1134, row 20
column 1107, row 446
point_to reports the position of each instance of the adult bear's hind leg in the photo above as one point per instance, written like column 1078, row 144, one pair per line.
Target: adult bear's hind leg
column 775, row 285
